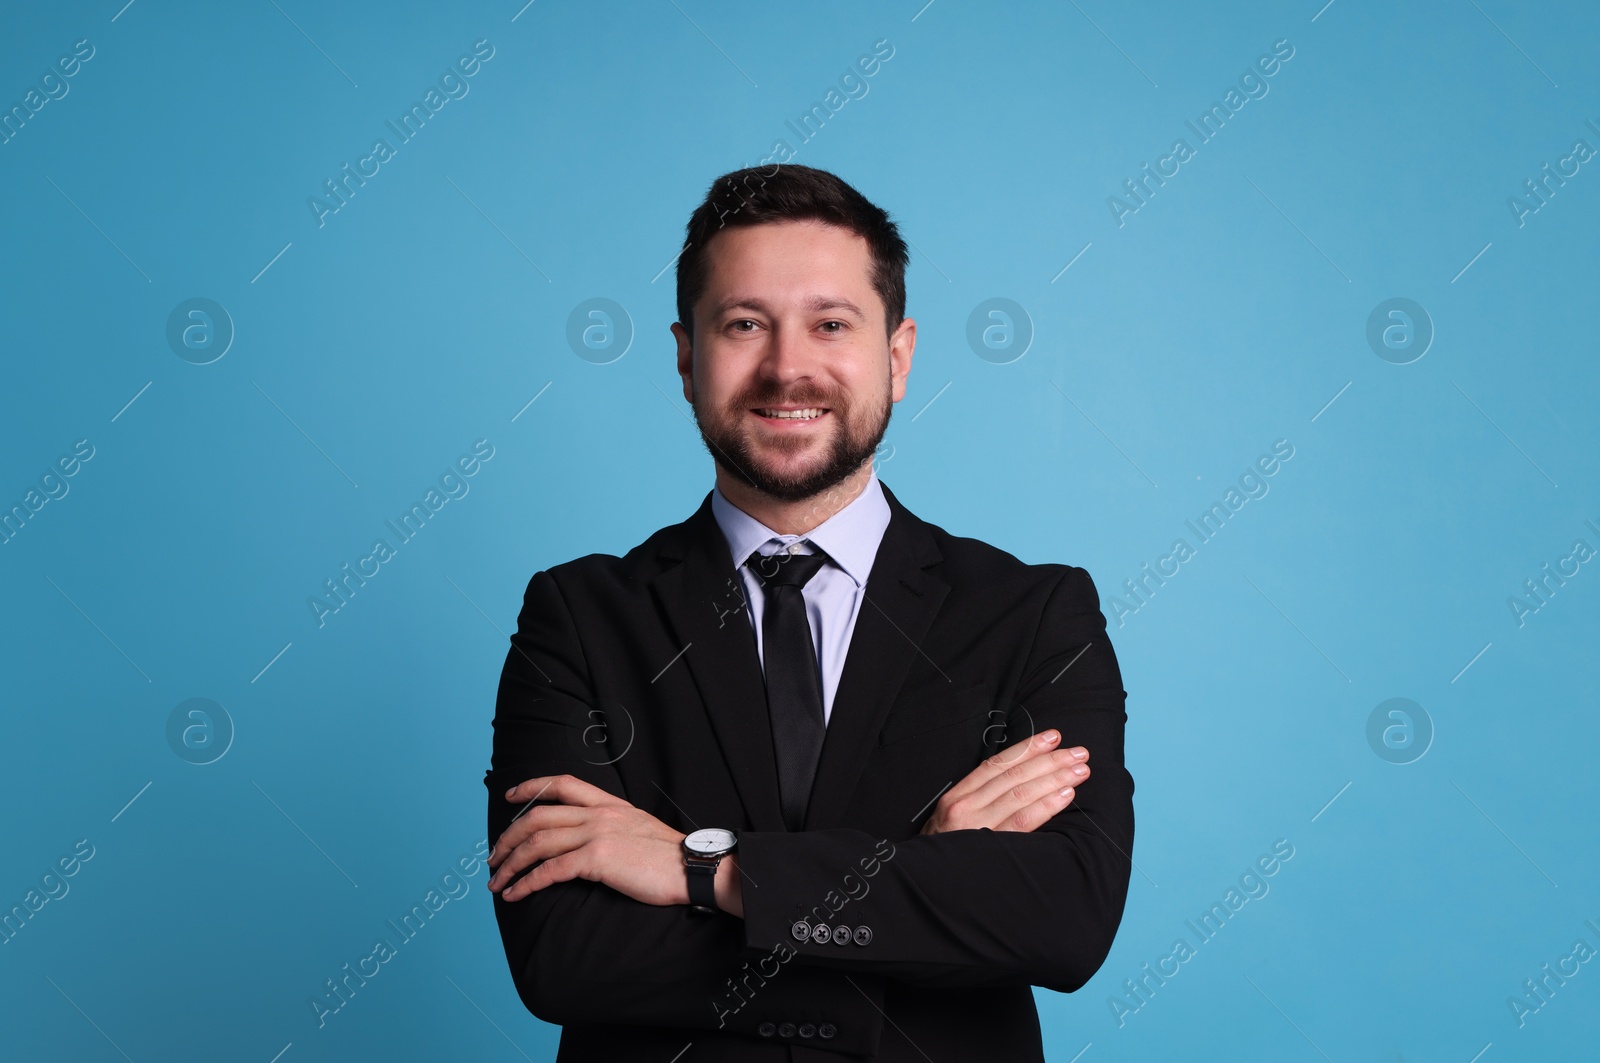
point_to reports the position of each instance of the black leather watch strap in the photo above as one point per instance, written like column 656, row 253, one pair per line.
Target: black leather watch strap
column 702, row 884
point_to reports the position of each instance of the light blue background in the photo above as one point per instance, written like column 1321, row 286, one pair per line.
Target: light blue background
column 370, row 353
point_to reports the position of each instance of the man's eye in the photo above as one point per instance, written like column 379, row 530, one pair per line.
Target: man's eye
column 742, row 321
column 839, row 324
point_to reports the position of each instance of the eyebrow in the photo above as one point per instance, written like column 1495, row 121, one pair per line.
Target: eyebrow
column 814, row 304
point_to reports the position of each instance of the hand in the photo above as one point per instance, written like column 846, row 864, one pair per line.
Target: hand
column 591, row 835
column 1015, row 790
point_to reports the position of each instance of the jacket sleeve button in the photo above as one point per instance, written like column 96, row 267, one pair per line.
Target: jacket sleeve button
column 807, row 1030
column 766, row 1029
column 801, row 930
column 822, row 933
column 827, row 1030
column 863, row 935
column 841, row 935
column 786, row 1029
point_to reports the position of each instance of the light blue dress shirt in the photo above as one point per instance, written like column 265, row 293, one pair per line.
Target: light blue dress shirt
column 833, row 596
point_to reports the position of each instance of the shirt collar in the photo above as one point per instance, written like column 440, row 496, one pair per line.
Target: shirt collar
column 850, row 537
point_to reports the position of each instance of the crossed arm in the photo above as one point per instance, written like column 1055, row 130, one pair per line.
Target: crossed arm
column 594, row 835
column 600, row 904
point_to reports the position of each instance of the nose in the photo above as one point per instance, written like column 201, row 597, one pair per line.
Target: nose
column 786, row 358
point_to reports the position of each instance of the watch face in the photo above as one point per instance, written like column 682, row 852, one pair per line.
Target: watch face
column 710, row 841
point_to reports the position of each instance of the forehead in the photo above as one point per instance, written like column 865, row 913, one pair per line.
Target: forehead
column 789, row 254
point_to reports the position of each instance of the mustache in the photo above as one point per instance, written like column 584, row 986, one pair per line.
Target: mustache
column 799, row 396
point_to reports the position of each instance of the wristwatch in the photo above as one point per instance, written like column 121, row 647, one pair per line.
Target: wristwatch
column 702, row 852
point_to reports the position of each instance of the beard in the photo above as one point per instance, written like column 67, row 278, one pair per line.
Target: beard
column 729, row 438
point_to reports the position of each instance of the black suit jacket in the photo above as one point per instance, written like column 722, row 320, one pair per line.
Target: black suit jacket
column 640, row 675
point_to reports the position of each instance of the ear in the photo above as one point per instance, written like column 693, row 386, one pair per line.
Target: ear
column 901, row 346
column 685, row 361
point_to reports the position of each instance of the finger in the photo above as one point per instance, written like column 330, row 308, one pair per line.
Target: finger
column 992, row 780
column 1022, row 784
column 541, row 846
column 1045, row 741
column 1050, row 794
column 1042, row 742
column 577, row 859
column 568, row 789
column 993, row 766
column 547, row 840
column 1040, row 812
column 562, row 867
column 531, row 789
column 536, row 817
column 1026, row 807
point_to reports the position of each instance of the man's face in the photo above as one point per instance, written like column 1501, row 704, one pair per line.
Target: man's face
column 791, row 374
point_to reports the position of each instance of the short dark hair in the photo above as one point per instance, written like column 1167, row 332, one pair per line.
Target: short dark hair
column 758, row 196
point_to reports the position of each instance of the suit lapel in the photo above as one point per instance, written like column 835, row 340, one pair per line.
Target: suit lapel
column 901, row 600
column 702, row 598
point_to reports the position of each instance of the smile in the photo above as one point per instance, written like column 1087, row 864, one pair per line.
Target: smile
column 809, row 413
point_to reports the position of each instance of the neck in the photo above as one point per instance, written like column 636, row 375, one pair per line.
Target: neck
column 798, row 517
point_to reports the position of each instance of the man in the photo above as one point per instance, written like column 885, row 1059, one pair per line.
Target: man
column 804, row 777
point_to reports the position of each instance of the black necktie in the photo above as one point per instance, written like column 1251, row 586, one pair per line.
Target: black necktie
column 794, row 687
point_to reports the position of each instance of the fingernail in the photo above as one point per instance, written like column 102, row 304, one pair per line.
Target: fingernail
column 511, row 791
column 1050, row 738
column 1066, row 792
column 1079, row 769
column 1080, row 753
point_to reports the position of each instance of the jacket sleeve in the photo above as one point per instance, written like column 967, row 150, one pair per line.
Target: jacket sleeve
column 982, row 907
column 582, row 953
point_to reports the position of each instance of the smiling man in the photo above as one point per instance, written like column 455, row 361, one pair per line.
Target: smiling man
column 804, row 777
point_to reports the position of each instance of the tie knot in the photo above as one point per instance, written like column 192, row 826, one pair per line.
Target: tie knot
column 784, row 569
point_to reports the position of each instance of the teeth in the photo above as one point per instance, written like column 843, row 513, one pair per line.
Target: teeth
column 793, row 415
